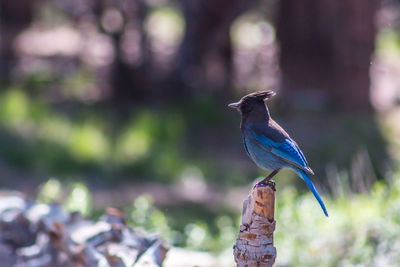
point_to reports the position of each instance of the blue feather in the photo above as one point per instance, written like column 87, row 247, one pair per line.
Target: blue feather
column 288, row 150
column 305, row 177
column 263, row 139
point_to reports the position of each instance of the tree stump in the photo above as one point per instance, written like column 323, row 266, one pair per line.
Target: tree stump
column 254, row 245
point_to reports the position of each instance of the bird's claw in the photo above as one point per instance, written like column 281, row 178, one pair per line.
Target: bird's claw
column 265, row 182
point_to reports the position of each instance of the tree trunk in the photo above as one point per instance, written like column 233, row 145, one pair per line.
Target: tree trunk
column 129, row 82
column 326, row 48
column 255, row 243
column 15, row 16
column 204, row 58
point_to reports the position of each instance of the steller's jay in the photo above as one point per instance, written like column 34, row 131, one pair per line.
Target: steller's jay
column 267, row 143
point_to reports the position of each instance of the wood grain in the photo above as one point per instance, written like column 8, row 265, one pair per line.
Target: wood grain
column 254, row 245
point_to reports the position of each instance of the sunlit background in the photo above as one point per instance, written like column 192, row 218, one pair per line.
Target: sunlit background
column 124, row 103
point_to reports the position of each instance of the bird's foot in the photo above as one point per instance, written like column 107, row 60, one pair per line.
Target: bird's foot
column 266, row 182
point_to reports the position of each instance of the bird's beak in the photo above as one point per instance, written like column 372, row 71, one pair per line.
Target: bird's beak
column 234, row 105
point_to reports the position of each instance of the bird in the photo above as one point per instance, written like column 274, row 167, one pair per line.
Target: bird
column 268, row 144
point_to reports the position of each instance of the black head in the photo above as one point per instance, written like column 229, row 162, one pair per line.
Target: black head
column 251, row 101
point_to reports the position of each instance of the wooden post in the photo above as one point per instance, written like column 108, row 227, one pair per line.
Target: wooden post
column 254, row 245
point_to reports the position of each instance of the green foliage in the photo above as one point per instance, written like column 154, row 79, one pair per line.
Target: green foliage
column 362, row 230
column 146, row 144
column 388, row 41
column 144, row 216
column 88, row 143
column 61, row 144
column 151, row 141
column 50, row 191
column 79, row 199
column 195, row 230
column 14, row 107
column 75, row 196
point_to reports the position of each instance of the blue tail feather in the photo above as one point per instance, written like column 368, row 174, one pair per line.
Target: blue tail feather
column 305, row 177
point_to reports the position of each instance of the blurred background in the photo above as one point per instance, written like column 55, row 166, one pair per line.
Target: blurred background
column 124, row 103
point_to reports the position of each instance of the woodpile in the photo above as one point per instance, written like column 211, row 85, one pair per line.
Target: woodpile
column 34, row 234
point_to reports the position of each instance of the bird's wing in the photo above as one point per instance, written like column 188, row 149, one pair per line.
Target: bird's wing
column 291, row 153
column 245, row 146
column 278, row 142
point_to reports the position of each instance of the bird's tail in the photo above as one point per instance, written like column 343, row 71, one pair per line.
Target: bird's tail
column 305, row 177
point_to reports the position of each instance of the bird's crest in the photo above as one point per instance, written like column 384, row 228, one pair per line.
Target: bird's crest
column 248, row 102
column 262, row 95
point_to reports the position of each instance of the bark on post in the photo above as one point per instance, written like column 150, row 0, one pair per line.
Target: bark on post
column 254, row 244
